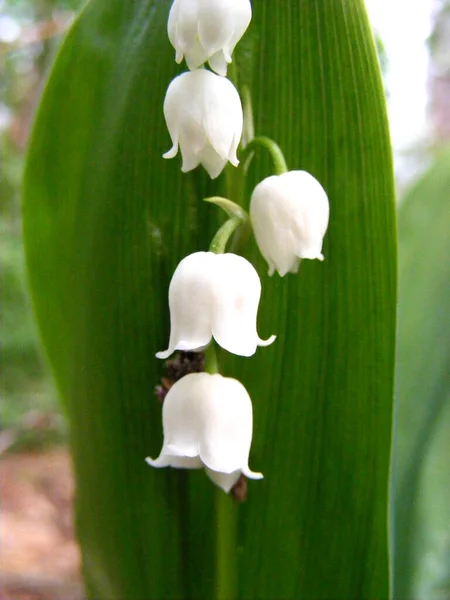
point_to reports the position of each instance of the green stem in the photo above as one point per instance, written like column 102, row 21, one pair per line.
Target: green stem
column 241, row 238
column 221, row 238
column 211, row 364
column 244, row 229
column 231, row 208
column 276, row 153
column 226, row 584
column 226, row 510
column 232, row 73
column 248, row 131
column 235, row 188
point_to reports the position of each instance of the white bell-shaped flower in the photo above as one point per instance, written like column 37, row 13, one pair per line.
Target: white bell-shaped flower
column 214, row 295
column 207, row 30
column 204, row 117
column 208, row 422
column 289, row 214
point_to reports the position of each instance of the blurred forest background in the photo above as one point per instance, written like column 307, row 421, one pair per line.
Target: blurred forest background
column 30, row 33
column 39, row 559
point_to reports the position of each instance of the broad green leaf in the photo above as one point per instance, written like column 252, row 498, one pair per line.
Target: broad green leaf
column 106, row 222
column 421, row 466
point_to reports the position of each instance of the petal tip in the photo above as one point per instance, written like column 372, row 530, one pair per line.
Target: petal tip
column 252, row 475
column 267, row 342
column 172, row 152
column 219, row 69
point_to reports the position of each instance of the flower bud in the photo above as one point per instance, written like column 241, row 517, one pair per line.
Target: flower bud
column 208, row 422
column 214, row 295
column 289, row 215
column 204, row 116
column 207, row 30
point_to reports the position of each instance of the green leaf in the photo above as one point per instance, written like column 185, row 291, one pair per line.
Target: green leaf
column 106, row 222
column 423, row 387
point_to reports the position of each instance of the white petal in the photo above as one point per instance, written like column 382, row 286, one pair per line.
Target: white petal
column 180, row 419
column 212, row 162
column 236, row 305
column 218, row 63
column 191, row 160
column 289, row 214
column 225, row 424
column 216, row 24
column 242, row 11
column 223, row 480
column 182, row 26
column 179, row 56
column 214, row 295
column 171, row 110
column 207, row 420
column 175, row 461
column 190, row 111
column 196, row 56
column 172, row 152
column 313, row 198
column 201, row 29
column 232, row 156
column 221, row 25
column 223, row 116
column 172, row 29
column 204, row 117
column 179, row 462
column 191, row 297
column 179, row 448
column 251, row 474
column 183, row 111
column 295, row 265
column 272, row 219
column 227, row 480
column 162, row 461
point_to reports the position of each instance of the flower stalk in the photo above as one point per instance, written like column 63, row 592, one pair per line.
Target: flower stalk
column 226, row 519
column 220, row 240
column 211, row 362
column 226, row 546
column 214, row 295
column 279, row 162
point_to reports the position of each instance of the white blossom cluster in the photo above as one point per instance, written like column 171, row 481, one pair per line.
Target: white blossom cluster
column 203, row 110
column 207, row 418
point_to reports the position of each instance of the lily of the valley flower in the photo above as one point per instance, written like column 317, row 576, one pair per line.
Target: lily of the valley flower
column 207, row 422
column 289, row 215
column 214, row 295
column 203, row 113
column 207, row 30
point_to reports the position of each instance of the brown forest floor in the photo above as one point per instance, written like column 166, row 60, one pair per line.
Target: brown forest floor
column 39, row 556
